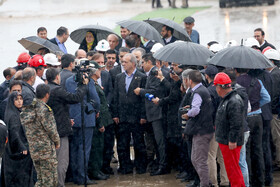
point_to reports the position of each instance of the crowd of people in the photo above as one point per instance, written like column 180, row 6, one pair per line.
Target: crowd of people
column 215, row 126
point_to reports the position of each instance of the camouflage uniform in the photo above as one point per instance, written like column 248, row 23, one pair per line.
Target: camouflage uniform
column 42, row 137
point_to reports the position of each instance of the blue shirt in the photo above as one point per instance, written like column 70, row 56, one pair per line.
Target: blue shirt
column 196, row 103
column 265, row 98
column 61, row 46
column 195, row 37
column 128, row 79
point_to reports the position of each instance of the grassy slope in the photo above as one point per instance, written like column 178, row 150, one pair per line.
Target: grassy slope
column 177, row 14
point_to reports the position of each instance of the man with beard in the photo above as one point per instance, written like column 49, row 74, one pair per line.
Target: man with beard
column 167, row 35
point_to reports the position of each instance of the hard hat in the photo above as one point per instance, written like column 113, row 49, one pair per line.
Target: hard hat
column 231, row 43
column 223, row 80
column 215, row 48
column 251, row 42
column 156, row 47
column 50, row 59
column 272, row 54
column 23, row 58
column 36, row 61
column 103, row 46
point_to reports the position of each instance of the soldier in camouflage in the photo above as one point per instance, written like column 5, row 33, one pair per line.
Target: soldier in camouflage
column 42, row 137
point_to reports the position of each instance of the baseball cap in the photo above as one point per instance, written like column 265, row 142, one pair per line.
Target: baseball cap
column 211, row 70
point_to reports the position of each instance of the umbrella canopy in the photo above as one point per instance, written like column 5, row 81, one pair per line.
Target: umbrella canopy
column 187, row 53
column 143, row 29
column 34, row 43
column 101, row 32
column 241, row 57
column 179, row 32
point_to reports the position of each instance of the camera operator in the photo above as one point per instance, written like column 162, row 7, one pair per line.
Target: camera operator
column 91, row 103
column 156, row 85
column 59, row 102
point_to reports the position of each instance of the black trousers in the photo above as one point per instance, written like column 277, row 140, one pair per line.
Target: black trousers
column 123, row 134
column 160, row 141
column 157, row 3
column 254, row 151
column 109, row 140
column 267, row 151
column 173, row 145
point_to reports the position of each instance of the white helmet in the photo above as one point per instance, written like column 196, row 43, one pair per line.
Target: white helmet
column 50, row 59
column 231, row 43
column 251, row 42
column 156, row 47
column 103, row 46
column 272, row 54
column 215, row 48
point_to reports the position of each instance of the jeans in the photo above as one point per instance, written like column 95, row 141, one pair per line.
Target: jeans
column 242, row 160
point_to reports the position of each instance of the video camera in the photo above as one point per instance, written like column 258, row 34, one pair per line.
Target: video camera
column 182, row 111
column 154, row 72
column 81, row 71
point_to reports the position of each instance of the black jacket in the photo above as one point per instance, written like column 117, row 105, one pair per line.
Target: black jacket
column 275, row 74
column 159, row 89
column 149, row 46
column 173, row 39
column 106, row 82
column 266, row 44
column 28, row 93
column 173, row 101
column 128, row 106
column 114, row 72
column 229, row 120
column 64, row 75
column 58, row 101
column 53, row 41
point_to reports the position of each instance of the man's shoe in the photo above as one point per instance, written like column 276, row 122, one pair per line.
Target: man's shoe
column 100, row 177
column 101, row 173
column 188, row 178
column 192, row 184
column 160, row 171
column 108, row 171
column 125, row 171
column 89, row 182
column 182, row 175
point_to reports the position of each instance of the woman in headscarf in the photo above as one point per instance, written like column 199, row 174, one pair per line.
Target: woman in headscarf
column 18, row 165
column 89, row 43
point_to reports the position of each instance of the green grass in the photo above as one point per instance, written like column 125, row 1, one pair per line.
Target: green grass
column 175, row 14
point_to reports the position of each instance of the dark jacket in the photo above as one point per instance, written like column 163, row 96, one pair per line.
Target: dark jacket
column 58, row 101
column 202, row 123
column 157, row 88
column 214, row 97
column 64, row 75
column 128, row 106
column 3, row 87
column 28, row 93
column 229, row 120
column 275, row 74
column 149, row 46
column 266, row 44
column 173, row 39
column 53, row 41
column 105, row 117
column 106, row 82
column 173, row 101
column 114, row 72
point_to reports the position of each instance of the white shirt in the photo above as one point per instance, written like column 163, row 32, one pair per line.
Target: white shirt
column 123, row 43
column 38, row 81
column 99, row 82
column 168, row 39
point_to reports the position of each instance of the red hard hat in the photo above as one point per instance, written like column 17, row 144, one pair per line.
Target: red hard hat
column 36, row 60
column 23, row 58
column 222, row 79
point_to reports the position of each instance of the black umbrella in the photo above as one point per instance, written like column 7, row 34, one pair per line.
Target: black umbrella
column 143, row 29
column 241, row 57
column 187, row 53
column 101, row 32
column 179, row 32
column 34, row 43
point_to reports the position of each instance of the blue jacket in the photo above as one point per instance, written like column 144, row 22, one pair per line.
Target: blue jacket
column 75, row 109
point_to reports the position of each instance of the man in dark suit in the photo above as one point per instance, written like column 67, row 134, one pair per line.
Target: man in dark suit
column 106, row 84
column 62, row 35
column 129, row 116
column 118, row 69
column 156, row 85
column 67, row 64
column 167, row 35
column 259, row 35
